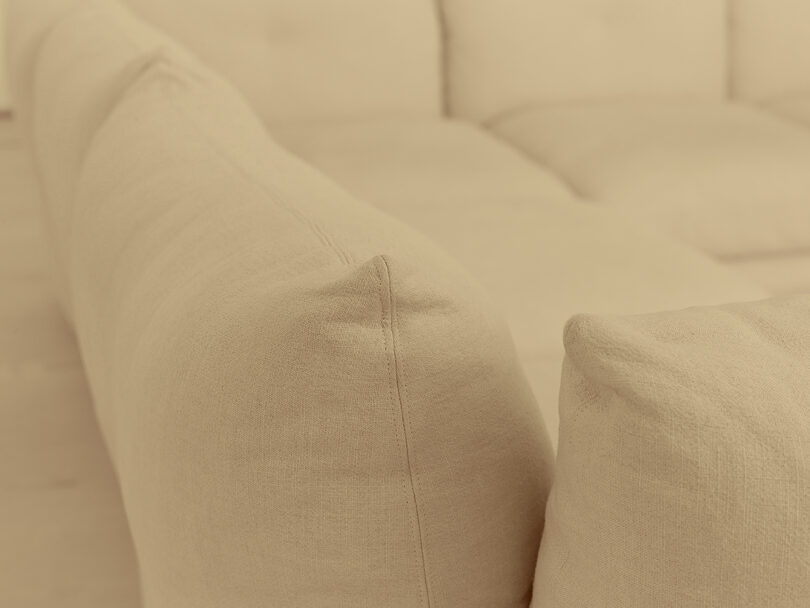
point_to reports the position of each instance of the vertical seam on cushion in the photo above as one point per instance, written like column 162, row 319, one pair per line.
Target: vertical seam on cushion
column 444, row 62
column 395, row 389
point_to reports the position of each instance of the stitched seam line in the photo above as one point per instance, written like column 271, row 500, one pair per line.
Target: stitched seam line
column 388, row 309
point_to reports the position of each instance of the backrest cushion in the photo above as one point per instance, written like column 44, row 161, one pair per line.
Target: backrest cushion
column 507, row 54
column 770, row 48
column 683, row 462
column 314, row 59
column 306, row 403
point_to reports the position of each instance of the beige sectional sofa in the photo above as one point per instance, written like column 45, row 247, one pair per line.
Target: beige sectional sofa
column 571, row 157
column 606, row 95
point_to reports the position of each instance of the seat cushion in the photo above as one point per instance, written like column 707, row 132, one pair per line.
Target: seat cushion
column 506, row 54
column 64, row 538
column 542, row 255
column 306, row 402
column 421, row 163
column 314, row 59
column 684, row 461
column 770, row 48
column 729, row 179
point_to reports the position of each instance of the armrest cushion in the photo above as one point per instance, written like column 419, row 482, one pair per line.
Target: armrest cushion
column 684, row 461
column 307, row 404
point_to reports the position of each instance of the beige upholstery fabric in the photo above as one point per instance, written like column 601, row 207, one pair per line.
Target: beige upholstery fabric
column 27, row 23
column 780, row 274
column 5, row 101
column 793, row 107
column 314, row 59
column 63, row 534
column 542, row 255
column 421, row 163
column 770, row 48
column 503, row 55
column 306, row 403
column 726, row 178
column 79, row 76
column 683, row 464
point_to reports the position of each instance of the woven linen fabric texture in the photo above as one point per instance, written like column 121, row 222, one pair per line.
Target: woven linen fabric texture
column 683, row 472
column 306, row 403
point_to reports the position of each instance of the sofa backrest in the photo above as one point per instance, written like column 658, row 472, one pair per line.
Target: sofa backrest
column 770, row 48
column 314, row 59
column 510, row 53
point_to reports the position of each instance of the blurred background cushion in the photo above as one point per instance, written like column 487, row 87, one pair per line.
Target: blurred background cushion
column 314, row 59
column 770, row 48
column 64, row 536
column 506, row 54
column 729, row 179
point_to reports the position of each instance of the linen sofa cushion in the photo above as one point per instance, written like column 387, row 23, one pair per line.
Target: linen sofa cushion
column 314, row 59
column 683, row 467
column 770, row 48
column 542, row 254
column 306, row 403
column 729, row 179
column 503, row 55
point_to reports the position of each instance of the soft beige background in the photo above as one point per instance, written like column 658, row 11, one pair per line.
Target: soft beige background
column 4, row 101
